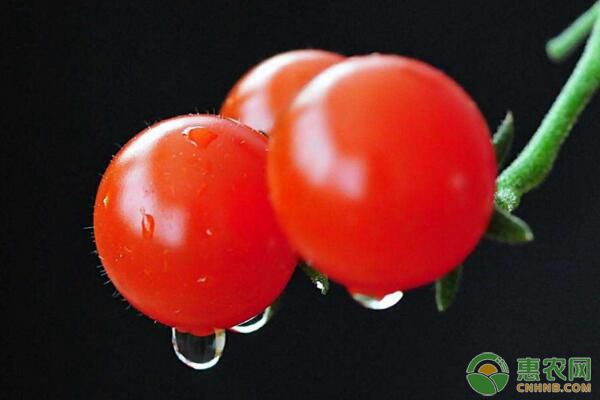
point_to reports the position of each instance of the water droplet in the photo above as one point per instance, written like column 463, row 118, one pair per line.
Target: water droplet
column 147, row 225
column 319, row 285
column 209, row 232
column 198, row 352
column 202, row 279
column 105, row 201
column 377, row 303
column 200, row 136
column 254, row 323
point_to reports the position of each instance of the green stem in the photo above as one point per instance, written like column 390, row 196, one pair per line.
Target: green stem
column 534, row 163
column 564, row 44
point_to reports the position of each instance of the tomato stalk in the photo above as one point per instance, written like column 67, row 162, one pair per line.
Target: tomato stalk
column 569, row 40
column 534, row 163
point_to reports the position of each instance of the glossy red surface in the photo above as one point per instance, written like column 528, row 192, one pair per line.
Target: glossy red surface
column 184, row 228
column 382, row 173
column 267, row 89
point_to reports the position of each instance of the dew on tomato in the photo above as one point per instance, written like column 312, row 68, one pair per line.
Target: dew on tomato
column 382, row 173
column 184, row 228
column 268, row 88
column 147, row 225
column 200, row 136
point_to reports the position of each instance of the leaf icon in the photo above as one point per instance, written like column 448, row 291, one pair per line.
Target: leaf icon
column 500, row 379
column 482, row 384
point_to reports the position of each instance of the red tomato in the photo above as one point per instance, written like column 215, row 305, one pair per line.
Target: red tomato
column 184, row 228
column 382, row 173
column 268, row 88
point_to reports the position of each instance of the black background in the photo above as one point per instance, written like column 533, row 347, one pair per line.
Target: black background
column 86, row 76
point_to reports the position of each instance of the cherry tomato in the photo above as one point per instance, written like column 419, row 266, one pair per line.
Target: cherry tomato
column 382, row 173
column 268, row 88
column 184, row 227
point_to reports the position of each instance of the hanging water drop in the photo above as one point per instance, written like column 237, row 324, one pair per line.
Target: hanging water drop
column 254, row 323
column 377, row 303
column 198, row 352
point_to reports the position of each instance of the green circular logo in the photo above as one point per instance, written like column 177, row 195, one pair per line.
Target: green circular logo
column 487, row 374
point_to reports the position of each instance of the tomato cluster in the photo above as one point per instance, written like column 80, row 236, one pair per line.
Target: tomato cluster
column 379, row 172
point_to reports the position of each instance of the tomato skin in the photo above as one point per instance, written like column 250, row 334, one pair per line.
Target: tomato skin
column 184, row 228
column 382, row 173
column 268, row 88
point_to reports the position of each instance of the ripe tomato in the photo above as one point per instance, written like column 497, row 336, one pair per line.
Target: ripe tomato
column 268, row 88
column 382, row 173
column 184, row 228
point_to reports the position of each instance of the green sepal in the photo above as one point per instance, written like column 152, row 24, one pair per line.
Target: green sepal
column 446, row 289
column 317, row 278
column 508, row 228
column 503, row 139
